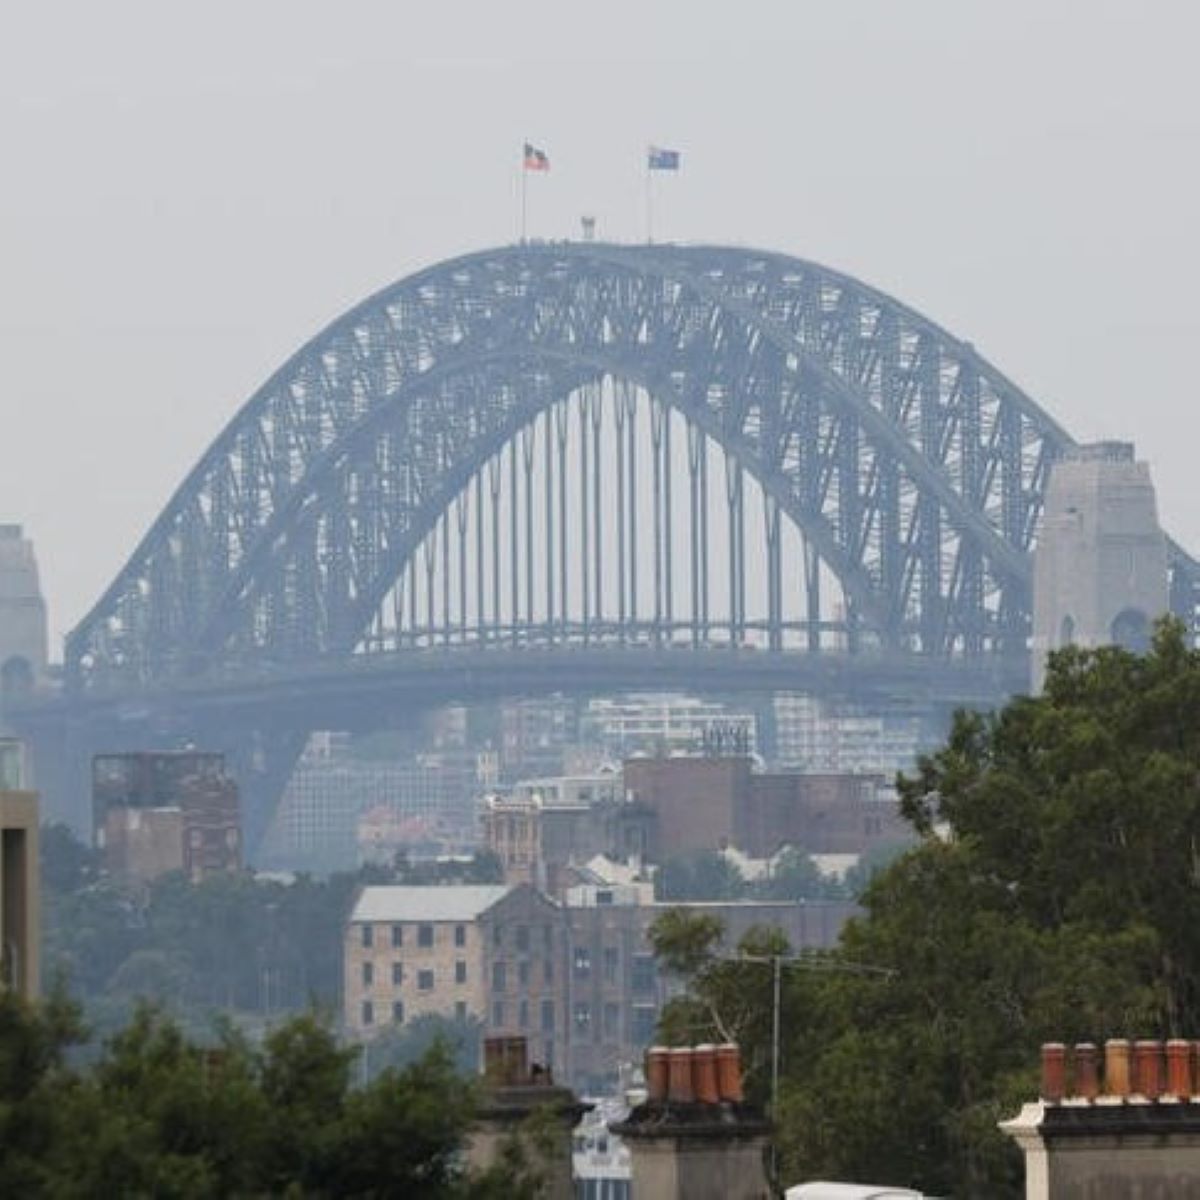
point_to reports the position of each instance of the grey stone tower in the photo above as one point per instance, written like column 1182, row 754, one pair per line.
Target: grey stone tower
column 23, row 644
column 1100, row 569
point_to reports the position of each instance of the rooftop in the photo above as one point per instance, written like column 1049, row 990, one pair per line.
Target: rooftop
column 462, row 902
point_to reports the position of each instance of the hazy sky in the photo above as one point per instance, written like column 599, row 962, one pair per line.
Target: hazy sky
column 189, row 192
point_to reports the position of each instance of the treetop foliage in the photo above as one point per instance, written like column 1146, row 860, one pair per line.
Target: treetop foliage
column 1053, row 895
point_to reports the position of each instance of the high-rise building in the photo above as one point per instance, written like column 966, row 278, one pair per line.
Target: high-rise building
column 20, row 929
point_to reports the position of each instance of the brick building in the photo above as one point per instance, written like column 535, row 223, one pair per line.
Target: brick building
column 712, row 803
column 546, row 826
column 409, row 951
column 577, row 979
column 165, row 811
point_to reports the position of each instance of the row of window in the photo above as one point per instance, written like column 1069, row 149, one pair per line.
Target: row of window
column 425, row 976
column 642, row 1019
column 500, row 1015
column 368, row 1011
column 426, row 935
column 524, row 973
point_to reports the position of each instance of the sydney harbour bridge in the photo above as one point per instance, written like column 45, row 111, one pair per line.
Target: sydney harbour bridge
column 581, row 467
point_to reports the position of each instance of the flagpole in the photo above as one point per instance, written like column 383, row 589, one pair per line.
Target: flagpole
column 524, row 195
column 649, row 203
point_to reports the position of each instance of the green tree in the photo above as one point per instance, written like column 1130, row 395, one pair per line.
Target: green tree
column 703, row 875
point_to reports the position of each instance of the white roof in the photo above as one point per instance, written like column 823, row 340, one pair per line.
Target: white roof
column 431, row 903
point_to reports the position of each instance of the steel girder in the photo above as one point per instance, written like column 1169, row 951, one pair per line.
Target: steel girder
column 914, row 468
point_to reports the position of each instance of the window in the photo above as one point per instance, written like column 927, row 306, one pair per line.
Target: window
column 397, row 974
column 523, row 1014
column 643, row 973
column 583, row 1016
column 523, row 973
column 645, row 1018
column 548, row 1016
column 460, row 935
column 498, row 1014
column 604, row 896
column 548, row 938
column 368, row 974
column 368, row 936
column 612, row 1020
column 612, row 961
column 523, row 938
column 460, row 972
column 548, row 970
column 368, row 1013
column 425, row 936
column 398, row 1011
column 499, row 977
column 460, row 1010
column 425, row 981
column 497, row 935
column 397, row 936
column 583, row 962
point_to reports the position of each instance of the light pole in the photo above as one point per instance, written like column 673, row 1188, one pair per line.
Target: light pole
column 812, row 962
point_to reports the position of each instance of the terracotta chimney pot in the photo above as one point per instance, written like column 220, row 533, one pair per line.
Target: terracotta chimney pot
column 658, row 1072
column 704, row 1074
column 1116, row 1067
column 729, row 1073
column 1179, row 1068
column 1054, row 1072
column 1087, row 1071
column 679, row 1089
column 1147, row 1068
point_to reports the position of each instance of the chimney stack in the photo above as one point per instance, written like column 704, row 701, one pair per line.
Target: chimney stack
column 1135, row 1131
column 695, row 1137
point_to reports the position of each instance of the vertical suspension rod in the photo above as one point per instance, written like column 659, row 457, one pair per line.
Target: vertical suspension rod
column 562, row 416
column 513, row 540
column 461, row 511
column 668, row 521
column 495, row 466
column 597, row 413
column 657, row 416
column 704, row 581
column 631, row 432
column 528, row 438
column 693, row 445
column 619, row 426
column 585, row 583
column 733, row 499
column 548, row 483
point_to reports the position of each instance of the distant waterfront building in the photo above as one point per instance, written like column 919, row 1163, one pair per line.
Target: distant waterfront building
column 410, row 951
column 664, row 724
column 20, row 924
column 318, row 824
column 818, row 736
column 577, row 979
column 545, row 826
column 712, row 803
column 165, row 811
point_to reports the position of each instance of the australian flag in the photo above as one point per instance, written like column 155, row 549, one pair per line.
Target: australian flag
column 661, row 159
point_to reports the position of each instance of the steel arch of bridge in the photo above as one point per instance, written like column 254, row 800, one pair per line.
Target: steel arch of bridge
column 914, row 469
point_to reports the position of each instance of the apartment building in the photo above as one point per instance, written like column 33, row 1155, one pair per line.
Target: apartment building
column 548, row 825
column 578, row 980
column 409, row 951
